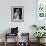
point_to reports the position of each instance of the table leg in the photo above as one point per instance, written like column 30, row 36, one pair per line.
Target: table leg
column 5, row 40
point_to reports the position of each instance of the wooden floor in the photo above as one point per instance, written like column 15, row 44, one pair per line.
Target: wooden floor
column 13, row 44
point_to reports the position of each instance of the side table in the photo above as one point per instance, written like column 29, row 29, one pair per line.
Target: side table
column 8, row 34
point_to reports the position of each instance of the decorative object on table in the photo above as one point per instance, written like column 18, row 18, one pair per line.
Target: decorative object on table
column 17, row 13
column 14, row 30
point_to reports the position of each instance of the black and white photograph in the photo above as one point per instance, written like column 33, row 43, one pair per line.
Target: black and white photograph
column 17, row 13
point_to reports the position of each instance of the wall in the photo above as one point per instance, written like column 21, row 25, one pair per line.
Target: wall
column 29, row 15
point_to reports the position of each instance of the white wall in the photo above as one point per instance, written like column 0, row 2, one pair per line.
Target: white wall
column 29, row 15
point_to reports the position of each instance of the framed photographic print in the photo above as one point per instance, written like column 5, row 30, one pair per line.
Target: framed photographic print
column 17, row 13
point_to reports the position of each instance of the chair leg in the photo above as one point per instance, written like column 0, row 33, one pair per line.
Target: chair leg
column 5, row 40
column 5, row 43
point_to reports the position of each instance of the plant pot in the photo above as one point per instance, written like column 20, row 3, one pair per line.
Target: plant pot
column 40, row 41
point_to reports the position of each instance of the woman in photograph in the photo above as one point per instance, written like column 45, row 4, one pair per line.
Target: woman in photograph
column 17, row 14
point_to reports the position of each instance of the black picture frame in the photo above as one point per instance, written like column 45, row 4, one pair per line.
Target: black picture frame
column 17, row 13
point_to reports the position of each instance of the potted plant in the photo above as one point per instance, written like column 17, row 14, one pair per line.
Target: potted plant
column 39, row 35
